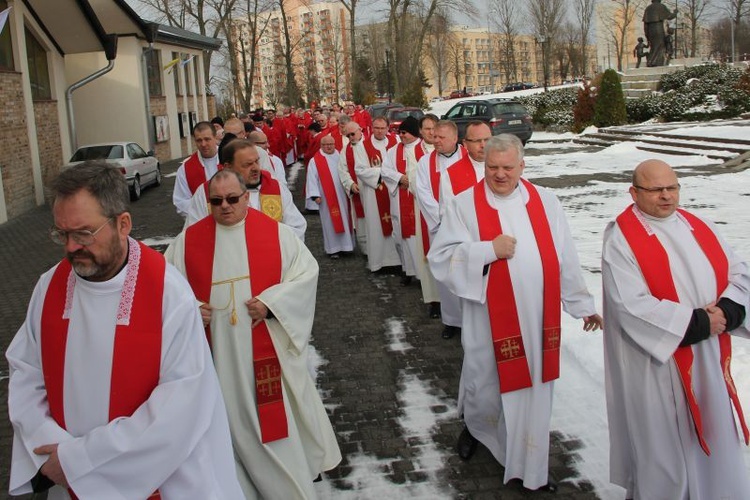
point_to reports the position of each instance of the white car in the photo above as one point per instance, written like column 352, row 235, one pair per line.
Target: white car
column 139, row 167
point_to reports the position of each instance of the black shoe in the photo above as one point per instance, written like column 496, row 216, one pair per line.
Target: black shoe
column 450, row 331
column 405, row 280
column 434, row 310
column 467, row 444
column 334, row 256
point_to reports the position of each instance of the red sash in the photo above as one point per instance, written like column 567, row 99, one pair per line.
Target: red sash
column 356, row 200
column 510, row 355
column 329, row 191
column 462, row 175
column 195, row 172
column 264, row 265
column 136, row 355
column 654, row 264
column 381, row 193
column 405, row 198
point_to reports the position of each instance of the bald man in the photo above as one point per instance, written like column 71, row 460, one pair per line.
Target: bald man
column 674, row 292
column 261, row 140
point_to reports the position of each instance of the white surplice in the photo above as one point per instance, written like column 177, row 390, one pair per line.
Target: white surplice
column 406, row 247
column 333, row 242
column 654, row 451
column 450, row 305
column 360, row 225
column 381, row 250
column 285, row 468
column 290, row 214
column 279, row 172
column 177, row 441
column 514, row 426
column 181, row 195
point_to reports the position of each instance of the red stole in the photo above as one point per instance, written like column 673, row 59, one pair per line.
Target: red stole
column 462, row 175
column 654, row 264
column 510, row 355
column 195, row 172
column 435, row 185
column 356, row 200
column 405, row 198
column 381, row 193
column 264, row 265
column 136, row 356
column 329, row 191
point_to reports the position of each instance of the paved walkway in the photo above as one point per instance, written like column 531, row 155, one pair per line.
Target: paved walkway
column 388, row 379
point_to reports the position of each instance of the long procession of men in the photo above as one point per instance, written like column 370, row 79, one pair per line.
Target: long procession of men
column 133, row 377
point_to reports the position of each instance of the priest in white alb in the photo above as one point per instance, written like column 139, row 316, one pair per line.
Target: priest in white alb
column 504, row 247
column 112, row 391
column 430, row 170
column 266, row 193
column 399, row 166
column 674, row 296
column 324, row 187
column 197, row 168
column 256, row 283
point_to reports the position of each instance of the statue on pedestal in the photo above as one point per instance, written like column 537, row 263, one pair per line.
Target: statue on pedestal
column 653, row 26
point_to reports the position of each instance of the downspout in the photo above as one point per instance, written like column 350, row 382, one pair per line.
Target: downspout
column 152, row 30
column 110, row 50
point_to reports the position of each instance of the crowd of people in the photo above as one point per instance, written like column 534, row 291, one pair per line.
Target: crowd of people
column 144, row 407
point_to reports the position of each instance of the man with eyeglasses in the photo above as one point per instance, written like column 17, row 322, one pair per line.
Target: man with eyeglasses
column 256, row 283
column 112, row 391
column 197, row 168
column 323, row 186
column 266, row 194
column 430, row 170
column 504, row 247
column 361, row 173
column 261, row 141
column 674, row 292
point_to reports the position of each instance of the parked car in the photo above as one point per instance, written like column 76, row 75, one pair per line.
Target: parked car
column 519, row 86
column 140, row 168
column 397, row 115
column 504, row 116
column 380, row 109
column 458, row 94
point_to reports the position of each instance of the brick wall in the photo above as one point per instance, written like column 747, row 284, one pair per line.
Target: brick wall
column 15, row 154
column 48, row 137
column 211, row 104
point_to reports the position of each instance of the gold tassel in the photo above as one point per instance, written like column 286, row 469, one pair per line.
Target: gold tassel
column 233, row 319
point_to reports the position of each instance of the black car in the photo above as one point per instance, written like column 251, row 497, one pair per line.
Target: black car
column 504, row 116
column 518, row 86
column 380, row 109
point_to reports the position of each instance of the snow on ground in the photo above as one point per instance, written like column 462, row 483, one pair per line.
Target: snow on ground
column 442, row 107
column 418, row 421
column 722, row 131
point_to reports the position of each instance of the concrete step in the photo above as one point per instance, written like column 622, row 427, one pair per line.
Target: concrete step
column 667, row 135
column 679, row 152
column 636, row 93
column 641, row 84
column 673, row 141
column 652, row 77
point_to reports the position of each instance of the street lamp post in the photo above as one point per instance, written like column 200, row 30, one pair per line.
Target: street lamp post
column 543, row 41
column 388, row 72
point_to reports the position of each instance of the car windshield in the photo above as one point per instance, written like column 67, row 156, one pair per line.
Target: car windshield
column 401, row 114
column 106, row 152
column 504, row 108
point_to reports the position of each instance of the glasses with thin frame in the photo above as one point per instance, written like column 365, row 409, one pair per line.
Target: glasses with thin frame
column 82, row 237
column 217, row 201
column 482, row 140
column 654, row 190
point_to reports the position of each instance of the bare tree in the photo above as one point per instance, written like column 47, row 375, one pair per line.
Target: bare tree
column 351, row 8
column 438, row 37
column 617, row 20
column 456, row 59
column 546, row 18
column 507, row 23
column 694, row 12
column 208, row 17
column 584, row 15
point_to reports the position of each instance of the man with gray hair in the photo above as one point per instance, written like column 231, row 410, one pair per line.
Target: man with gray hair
column 505, row 249
column 112, row 391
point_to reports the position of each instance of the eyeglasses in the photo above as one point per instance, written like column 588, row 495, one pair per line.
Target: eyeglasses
column 83, row 237
column 653, row 190
column 477, row 140
column 232, row 200
column 351, row 134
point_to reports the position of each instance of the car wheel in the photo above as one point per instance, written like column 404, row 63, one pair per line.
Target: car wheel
column 135, row 191
column 157, row 181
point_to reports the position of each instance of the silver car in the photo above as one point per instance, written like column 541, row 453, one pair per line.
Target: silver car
column 140, row 168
